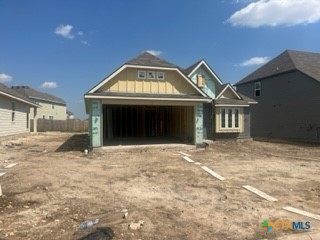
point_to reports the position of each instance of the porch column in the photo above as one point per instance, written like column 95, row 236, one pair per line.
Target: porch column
column 198, row 115
column 96, row 123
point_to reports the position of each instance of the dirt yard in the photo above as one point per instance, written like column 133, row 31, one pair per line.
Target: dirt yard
column 55, row 186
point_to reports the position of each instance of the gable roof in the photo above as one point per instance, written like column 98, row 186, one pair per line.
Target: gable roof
column 188, row 71
column 241, row 99
column 6, row 91
column 289, row 60
column 147, row 59
column 222, row 88
column 34, row 94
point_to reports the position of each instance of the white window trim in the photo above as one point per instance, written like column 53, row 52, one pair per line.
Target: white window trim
column 227, row 119
column 145, row 74
column 153, row 73
column 257, row 89
column 163, row 76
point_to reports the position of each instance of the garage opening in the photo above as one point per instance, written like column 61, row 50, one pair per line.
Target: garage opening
column 126, row 124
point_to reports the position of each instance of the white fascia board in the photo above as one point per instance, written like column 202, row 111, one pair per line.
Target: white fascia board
column 144, row 67
column 147, row 98
column 95, row 88
column 208, row 68
column 231, row 105
column 228, row 86
column 19, row 99
column 191, row 83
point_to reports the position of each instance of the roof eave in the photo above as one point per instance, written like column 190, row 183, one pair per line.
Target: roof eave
column 19, row 99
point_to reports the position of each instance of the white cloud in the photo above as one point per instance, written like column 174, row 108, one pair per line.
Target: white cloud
column 5, row 78
column 155, row 52
column 242, row 1
column 80, row 33
column 255, row 61
column 64, row 31
column 277, row 12
column 49, row 85
column 84, row 42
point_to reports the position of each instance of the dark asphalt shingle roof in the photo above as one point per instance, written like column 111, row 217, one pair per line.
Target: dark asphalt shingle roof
column 230, row 101
column 219, row 88
column 188, row 70
column 34, row 94
column 289, row 60
column 147, row 59
column 13, row 93
column 243, row 101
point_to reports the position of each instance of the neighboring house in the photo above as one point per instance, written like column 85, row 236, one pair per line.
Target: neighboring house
column 51, row 107
column 288, row 91
column 14, row 112
column 148, row 97
column 70, row 115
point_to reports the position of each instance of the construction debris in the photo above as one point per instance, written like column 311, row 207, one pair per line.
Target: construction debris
column 260, row 193
column 136, row 226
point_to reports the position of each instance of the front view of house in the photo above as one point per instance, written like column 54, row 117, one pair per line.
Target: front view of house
column 150, row 99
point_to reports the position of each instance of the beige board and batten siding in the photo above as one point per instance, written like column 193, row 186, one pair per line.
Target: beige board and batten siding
column 127, row 81
column 229, row 130
column 19, row 125
column 59, row 111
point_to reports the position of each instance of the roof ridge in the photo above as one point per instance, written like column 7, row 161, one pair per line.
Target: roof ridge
column 148, row 59
column 289, row 52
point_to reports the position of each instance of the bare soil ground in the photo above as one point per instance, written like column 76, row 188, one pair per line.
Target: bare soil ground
column 54, row 187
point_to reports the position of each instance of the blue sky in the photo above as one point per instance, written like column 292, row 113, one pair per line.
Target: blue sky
column 65, row 47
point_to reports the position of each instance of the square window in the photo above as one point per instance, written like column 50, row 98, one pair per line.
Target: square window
column 160, row 75
column 141, row 74
column 151, row 75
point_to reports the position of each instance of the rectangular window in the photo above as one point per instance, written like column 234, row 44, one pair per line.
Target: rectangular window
column 160, row 75
column 141, row 74
column 28, row 118
column 223, row 118
column 52, row 106
column 13, row 111
column 51, row 117
column 43, row 116
column 257, row 89
column 236, row 118
column 229, row 118
column 151, row 75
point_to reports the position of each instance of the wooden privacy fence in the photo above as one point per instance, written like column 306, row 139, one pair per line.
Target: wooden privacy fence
column 69, row 125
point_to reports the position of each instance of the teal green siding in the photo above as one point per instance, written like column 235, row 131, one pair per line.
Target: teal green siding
column 96, row 123
column 209, row 88
column 199, row 124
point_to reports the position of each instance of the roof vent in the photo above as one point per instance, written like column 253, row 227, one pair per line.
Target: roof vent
column 201, row 81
